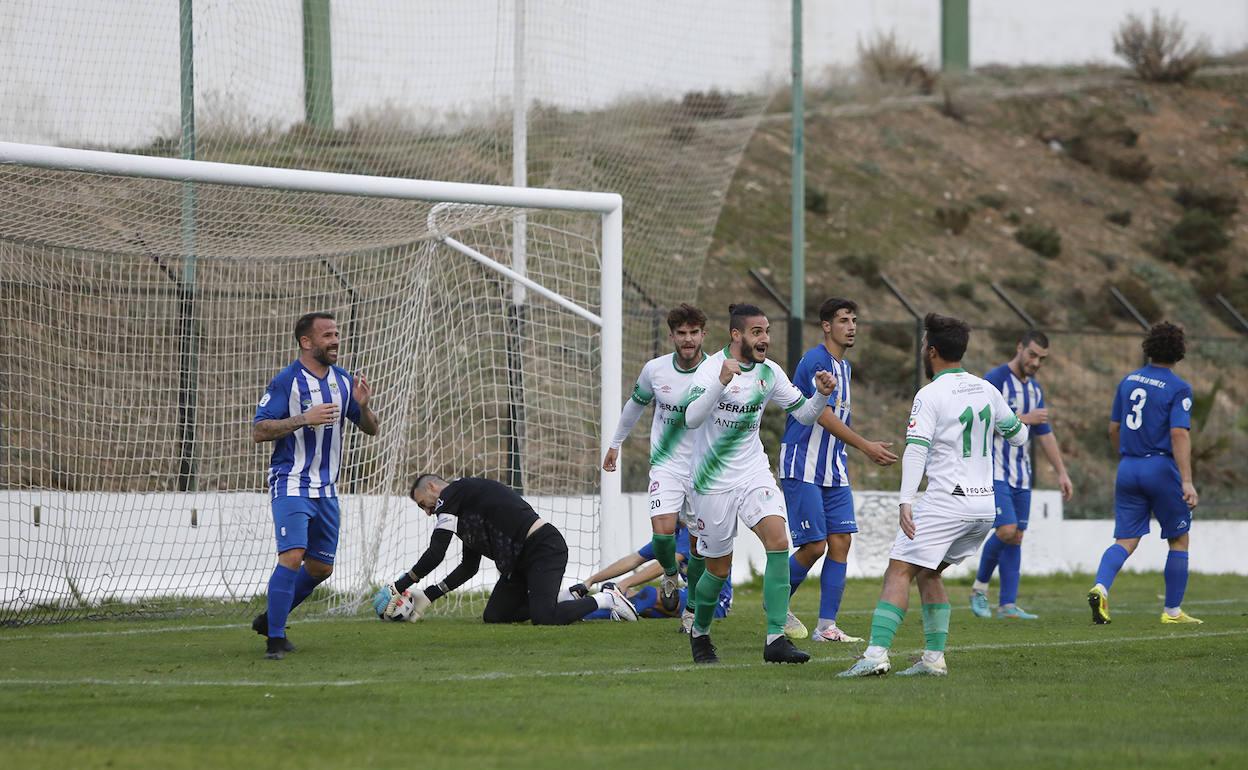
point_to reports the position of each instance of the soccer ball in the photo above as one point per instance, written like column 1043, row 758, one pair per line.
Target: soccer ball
column 403, row 610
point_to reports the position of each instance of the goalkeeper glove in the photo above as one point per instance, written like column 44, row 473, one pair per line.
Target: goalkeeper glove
column 420, row 603
column 386, row 600
column 580, row 591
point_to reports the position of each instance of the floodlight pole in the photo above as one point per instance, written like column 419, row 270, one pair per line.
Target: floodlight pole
column 797, row 259
column 188, row 352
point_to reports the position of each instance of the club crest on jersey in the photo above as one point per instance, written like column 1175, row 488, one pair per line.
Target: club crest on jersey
column 306, row 403
column 762, row 384
column 333, row 386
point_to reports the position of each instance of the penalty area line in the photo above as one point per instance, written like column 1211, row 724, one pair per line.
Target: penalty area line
column 490, row 676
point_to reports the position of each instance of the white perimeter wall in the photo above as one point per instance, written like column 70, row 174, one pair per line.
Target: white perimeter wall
column 96, row 541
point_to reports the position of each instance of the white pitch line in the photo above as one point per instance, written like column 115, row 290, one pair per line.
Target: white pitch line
column 490, row 676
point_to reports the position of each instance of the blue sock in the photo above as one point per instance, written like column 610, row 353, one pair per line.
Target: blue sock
column 1113, row 559
column 1011, row 567
column 305, row 584
column 831, row 588
column 797, row 573
column 1176, row 578
column 281, row 595
column 988, row 561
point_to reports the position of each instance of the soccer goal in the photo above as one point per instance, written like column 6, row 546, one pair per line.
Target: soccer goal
column 147, row 302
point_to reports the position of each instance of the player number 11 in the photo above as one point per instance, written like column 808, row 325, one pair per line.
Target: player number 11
column 967, row 418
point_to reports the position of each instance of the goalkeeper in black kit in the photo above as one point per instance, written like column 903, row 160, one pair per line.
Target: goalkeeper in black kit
column 493, row 521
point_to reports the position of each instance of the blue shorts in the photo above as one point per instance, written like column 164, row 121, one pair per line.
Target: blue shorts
column 307, row 522
column 682, row 546
column 1013, row 505
column 1149, row 484
column 816, row 512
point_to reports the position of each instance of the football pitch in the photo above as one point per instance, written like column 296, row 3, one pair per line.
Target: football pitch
column 454, row 693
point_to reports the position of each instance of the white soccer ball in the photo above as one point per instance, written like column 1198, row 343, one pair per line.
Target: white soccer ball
column 403, row 609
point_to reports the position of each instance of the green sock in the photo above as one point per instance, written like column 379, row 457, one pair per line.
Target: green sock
column 709, row 586
column 665, row 552
column 936, row 626
column 884, row 624
column 697, row 565
column 776, row 590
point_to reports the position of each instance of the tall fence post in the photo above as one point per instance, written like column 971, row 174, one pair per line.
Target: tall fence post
column 318, row 66
column 1226, row 304
column 918, row 331
column 1012, row 305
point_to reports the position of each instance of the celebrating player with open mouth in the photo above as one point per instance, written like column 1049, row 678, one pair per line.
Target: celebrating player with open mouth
column 732, row 477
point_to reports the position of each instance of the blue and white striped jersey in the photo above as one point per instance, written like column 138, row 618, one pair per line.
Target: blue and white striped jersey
column 305, row 463
column 808, row 452
column 1013, row 463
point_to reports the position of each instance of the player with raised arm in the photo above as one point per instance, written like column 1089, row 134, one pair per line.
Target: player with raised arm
column 1150, row 426
column 1012, row 480
column 304, row 411
column 665, row 382
column 949, row 438
column 732, row 478
column 815, row 477
column 493, row 521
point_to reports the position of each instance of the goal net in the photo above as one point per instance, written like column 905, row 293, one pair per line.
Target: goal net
column 147, row 302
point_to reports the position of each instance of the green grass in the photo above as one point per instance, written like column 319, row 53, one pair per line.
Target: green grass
column 453, row 693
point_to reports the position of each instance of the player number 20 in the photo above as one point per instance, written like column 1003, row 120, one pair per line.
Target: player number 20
column 967, row 418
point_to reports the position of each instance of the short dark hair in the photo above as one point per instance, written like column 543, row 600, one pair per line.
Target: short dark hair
column 419, row 482
column 1036, row 336
column 304, row 325
column 833, row 305
column 948, row 335
column 685, row 314
column 1165, row 343
column 738, row 313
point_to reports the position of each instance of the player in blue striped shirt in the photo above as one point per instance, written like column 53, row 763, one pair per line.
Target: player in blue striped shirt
column 1151, row 425
column 815, row 477
column 304, row 411
column 1012, row 475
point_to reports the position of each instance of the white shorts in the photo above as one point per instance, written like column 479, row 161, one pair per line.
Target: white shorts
column 715, row 515
column 943, row 533
column 670, row 493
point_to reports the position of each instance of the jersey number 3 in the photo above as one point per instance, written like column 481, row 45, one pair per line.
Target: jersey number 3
column 1136, row 418
column 967, row 418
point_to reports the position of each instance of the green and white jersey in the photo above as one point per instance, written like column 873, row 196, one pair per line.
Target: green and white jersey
column 664, row 383
column 954, row 417
column 727, row 451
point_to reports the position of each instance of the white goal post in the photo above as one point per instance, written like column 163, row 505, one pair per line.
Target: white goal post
column 19, row 502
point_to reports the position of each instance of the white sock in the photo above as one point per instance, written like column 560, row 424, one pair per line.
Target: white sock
column 980, row 587
column 824, row 623
column 564, row 596
column 1173, row 611
column 773, row 637
column 933, row 656
column 605, row 600
column 1102, row 589
column 875, row 651
column 695, row 632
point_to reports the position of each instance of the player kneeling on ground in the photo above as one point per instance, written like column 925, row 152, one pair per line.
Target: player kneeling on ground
column 949, row 437
column 493, row 521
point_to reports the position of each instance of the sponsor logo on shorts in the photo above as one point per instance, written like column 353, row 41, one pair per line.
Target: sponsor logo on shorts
column 283, row 532
column 654, row 487
column 701, row 524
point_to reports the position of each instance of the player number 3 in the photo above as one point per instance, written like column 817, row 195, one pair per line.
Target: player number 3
column 1136, row 418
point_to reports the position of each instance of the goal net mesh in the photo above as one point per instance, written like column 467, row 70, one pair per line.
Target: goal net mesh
column 655, row 101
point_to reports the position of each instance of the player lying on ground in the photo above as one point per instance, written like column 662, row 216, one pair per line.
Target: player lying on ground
column 644, row 597
column 665, row 382
column 815, row 476
column 949, row 436
column 1016, row 380
column 493, row 521
column 1150, row 426
column 732, row 476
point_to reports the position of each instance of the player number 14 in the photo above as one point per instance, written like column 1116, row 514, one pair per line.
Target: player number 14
column 967, row 418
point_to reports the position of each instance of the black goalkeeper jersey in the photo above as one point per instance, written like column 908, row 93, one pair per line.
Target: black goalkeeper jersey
column 492, row 520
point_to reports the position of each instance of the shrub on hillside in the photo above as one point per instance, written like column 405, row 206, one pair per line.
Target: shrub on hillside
column 885, row 59
column 1159, row 51
column 955, row 219
column 1120, row 218
column 1222, row 203
column 1197, row 232
column 1043, row 240
column 1141, row 298
column 865, row 267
